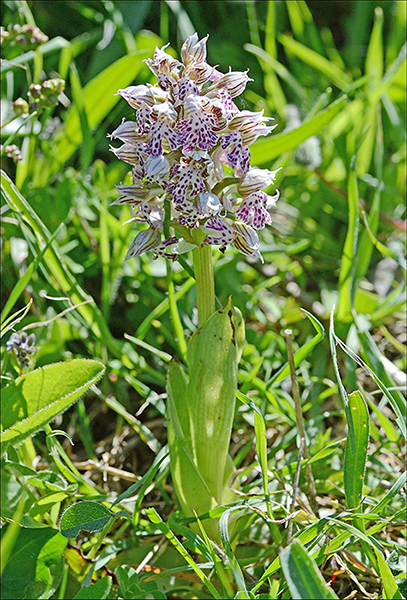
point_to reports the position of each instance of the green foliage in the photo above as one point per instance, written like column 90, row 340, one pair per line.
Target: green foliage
column 302, row 574
column 40, row 551
column 36, row 398
column 87, row 515
column 333, row 77
column 201, row 465
column 355, row 459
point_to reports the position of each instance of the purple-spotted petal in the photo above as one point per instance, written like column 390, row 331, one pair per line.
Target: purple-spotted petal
column 253, row 211
column 238, row 155
column 159, row 131
column 218, row 232
column 189, row 183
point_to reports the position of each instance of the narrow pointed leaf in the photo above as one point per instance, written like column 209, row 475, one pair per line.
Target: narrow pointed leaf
column 302, row 574
column 355, row 458
column 266, row 150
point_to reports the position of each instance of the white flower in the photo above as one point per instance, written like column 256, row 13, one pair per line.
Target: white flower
column 256, row 179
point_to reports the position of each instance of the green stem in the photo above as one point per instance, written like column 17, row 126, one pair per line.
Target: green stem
column 205, row 283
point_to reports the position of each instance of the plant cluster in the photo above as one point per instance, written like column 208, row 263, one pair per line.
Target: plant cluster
column 304, row 495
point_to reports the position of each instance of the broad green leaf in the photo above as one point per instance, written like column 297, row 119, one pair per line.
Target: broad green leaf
column 302, row 574
column 96, row 591
column 316, row 61
column 34, row 553
column 212, row 359
column 87, row 516
column 266, row 150
column 34, row 399
column 355, row 458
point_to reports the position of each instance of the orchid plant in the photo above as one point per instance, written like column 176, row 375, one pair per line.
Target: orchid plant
column 194, row 188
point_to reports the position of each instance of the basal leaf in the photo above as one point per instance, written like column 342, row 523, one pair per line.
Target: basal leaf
column 34, row 399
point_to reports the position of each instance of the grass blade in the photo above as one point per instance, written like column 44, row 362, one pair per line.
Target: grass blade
column 394, row 491
column 355, row 458
column 24, row 280
column 316, row 61
column 346, row 277
column 156, row 519
column 266, row 150
column 302, row 574
column 261, row 444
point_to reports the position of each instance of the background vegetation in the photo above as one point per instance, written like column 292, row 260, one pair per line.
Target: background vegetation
column 333, row 76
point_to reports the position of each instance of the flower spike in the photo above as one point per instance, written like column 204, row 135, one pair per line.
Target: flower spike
column 187, row 130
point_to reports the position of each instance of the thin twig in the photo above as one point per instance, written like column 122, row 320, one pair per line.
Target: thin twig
column 300, row 422
column 295, row 489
